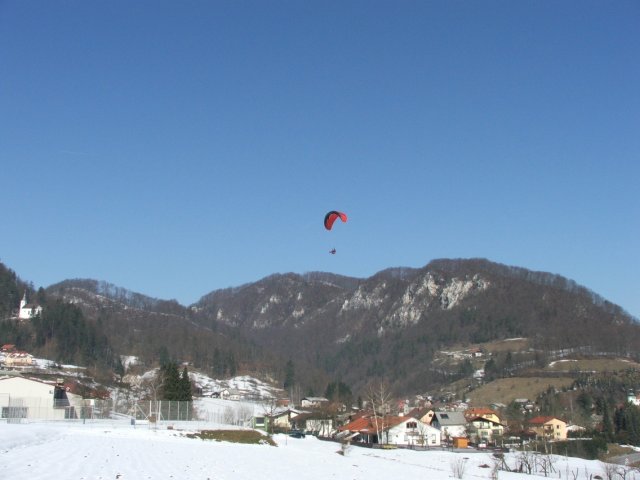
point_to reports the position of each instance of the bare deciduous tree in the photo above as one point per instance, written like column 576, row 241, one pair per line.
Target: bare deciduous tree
column 546, row 462
column 229, row 415
column 526, row 461
column 270, row 408
column 458, row 466
column 496, row 466
column 379, row 397
column 244, row 413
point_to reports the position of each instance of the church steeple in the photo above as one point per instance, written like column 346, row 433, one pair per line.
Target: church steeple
column 28, row 310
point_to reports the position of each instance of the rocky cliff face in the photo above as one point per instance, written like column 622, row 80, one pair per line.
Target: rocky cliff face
column 386, row 300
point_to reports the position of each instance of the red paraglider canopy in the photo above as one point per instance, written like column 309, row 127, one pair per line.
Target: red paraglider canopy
column 331, row 217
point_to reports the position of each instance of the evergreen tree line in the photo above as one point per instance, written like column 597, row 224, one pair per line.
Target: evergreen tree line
column 175, row 386
column 626, row 422
column 11, row 291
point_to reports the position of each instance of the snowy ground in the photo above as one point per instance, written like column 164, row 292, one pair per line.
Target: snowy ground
column 110, row 450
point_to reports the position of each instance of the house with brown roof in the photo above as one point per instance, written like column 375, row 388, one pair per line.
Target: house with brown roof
column 551, row 428
column 425, row 414
column 484, row 430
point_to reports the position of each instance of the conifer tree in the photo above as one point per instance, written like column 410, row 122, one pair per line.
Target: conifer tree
column 289, row 375
column 607, row 423
column 185, row 386
column 171, row 382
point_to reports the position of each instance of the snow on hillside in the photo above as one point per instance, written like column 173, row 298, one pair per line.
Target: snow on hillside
column 248, row 386
column 110, row 450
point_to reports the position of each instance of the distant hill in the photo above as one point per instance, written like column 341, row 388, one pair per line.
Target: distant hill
column 149, row 328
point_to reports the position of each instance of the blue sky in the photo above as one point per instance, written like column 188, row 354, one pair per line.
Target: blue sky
column 174, row 148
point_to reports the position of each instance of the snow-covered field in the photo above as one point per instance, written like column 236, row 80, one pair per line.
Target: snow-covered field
column 112, row 450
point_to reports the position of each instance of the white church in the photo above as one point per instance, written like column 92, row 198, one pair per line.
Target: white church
column 28, row 310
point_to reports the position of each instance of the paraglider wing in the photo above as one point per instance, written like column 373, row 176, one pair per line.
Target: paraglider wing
column 331, row 217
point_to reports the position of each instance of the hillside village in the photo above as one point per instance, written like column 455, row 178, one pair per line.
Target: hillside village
column 34, row 389
column 417, row 423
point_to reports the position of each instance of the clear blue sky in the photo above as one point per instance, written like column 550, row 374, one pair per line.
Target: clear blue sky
column 174, row 148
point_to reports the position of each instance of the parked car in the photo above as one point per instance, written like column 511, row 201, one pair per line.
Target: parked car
column 296, row 434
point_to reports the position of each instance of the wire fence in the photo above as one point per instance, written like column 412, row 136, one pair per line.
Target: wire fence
column 18, row 409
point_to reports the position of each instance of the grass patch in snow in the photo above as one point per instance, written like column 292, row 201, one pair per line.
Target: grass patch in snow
column 251, row 437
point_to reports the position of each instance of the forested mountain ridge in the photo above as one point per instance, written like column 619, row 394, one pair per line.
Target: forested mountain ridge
column 393, row 323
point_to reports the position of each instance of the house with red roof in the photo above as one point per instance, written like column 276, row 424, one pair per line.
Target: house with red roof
column 484, row 412
column 391, row 430
column 551, row 428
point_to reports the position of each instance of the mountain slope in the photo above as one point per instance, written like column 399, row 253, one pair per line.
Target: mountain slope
column 333, row 327
column 148, row 328
column 392, row 323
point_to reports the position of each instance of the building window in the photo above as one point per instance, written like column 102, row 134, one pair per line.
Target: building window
column 412, row 424
column 14, row 412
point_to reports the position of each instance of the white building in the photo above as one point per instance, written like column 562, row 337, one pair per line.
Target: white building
column 18, row 359
column 451, row 424
column 27, row 398
column 392, row 430
column 28, row 310
column 411, row 431
column 313, row 402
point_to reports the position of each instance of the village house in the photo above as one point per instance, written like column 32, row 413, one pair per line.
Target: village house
column 33, row 399
column 550, row 428
column 313, row 424
column 483, row 412
column 483, row 430
column 425, row 415
column 451, row 424
column 17, row 359
column 313, row 402
column 228, row 394
column 234, row 394
column 391, row 430
column 280, row 419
